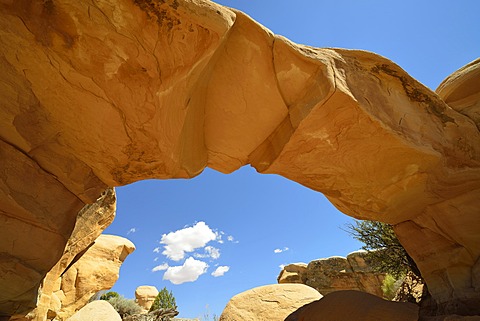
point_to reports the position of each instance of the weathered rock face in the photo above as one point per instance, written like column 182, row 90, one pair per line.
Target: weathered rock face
column 355, row 305
column 336, row 274
column 145, row 295
column 96, row 310
column 268, row 303
column 111, row 92
column 98, row 269
column 90, row 223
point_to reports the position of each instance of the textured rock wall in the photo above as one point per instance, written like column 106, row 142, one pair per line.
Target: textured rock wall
column 105, row 93
column 335, row 274
column 90, row 223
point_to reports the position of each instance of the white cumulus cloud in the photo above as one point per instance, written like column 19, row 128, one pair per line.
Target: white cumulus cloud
column 156, row 250
column 161, row 267
column 281, row 250
column 210, row 252
column 132, row 230
column 186, row 240
column 220, row 271
column 188, row 272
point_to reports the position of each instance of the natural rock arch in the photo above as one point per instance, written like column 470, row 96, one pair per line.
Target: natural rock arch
column 111, row 92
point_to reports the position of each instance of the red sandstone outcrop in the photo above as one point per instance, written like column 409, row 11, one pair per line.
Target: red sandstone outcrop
column 105, row 93
column 335, row 274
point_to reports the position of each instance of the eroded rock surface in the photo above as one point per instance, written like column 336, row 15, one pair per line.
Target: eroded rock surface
column 335, row 274
column 98, row 269
column 105, row 93
column 268, row 303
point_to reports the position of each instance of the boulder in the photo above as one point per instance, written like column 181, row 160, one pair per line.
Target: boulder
column 268, row 303
column 96, row 311
column 355, row 305
column 336, row 274
column 114, row 92
column 145, row 295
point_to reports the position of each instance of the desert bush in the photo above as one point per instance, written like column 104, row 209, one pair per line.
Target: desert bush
column 124, row 306
column 390, row 286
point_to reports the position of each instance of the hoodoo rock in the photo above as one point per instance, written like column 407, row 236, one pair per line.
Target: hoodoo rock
column 335, row 274
column 145, row 296
column 106, row 93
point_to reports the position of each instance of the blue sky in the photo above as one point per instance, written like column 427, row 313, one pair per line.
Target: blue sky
column 241, row 227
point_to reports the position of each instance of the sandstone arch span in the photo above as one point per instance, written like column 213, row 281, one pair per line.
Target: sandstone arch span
column 105, row 93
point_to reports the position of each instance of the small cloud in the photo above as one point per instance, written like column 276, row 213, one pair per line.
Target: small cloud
column 230, row 238
column 220, row 271
column 156, row 250
column 210, row 252
column 132, row 230
column 281, row 250
column 188, row 272
column 281, row 266
column 155, row 259
column 161, row 267
column 186, row 240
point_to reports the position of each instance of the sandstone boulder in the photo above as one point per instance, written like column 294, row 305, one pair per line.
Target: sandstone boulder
column 111, row 92
column 96, row 311
column 268, row 303
column 355, row 305
column 145, row 295
column 336, row 274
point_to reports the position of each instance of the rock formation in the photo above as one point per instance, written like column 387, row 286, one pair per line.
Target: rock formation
column 335, row 274
column 98, row 269
column 90, row 223
column 268, row 303
column 96, row 310
column 355, row 305
column 105, row 93
column 145, row 295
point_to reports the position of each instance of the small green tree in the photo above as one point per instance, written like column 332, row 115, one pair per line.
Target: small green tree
column 107, row 296
column 164, row 300
column 384, row 251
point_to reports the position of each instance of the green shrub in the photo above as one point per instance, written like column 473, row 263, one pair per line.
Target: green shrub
column 390, row 286
column 107, row 296
column 124, row 306
column 164, row 300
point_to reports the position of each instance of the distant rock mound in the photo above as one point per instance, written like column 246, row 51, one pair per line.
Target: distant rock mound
column 335, row 274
